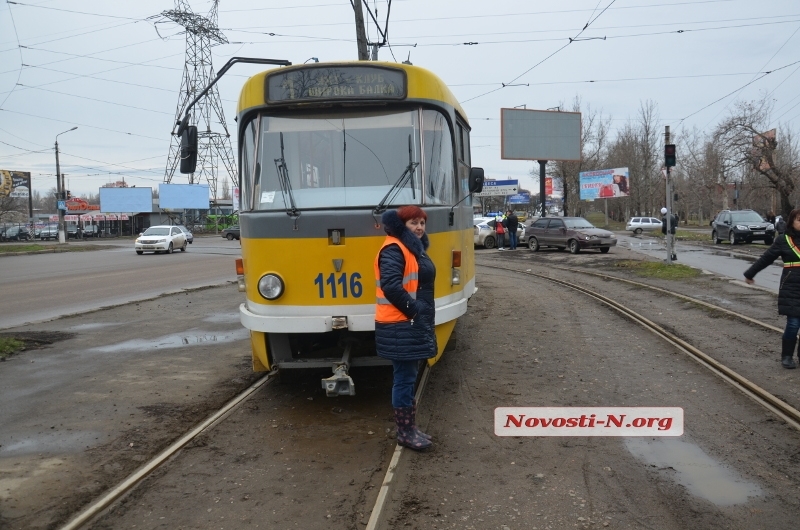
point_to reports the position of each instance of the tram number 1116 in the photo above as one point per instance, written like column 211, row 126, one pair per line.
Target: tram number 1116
column 336, row 286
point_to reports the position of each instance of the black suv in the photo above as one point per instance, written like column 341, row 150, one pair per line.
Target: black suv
column 741, row 225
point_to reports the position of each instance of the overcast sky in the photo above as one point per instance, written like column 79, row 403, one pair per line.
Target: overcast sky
column 102, row 66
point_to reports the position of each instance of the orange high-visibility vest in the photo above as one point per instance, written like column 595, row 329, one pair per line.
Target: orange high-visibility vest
column 795, row 250
column 385, row 312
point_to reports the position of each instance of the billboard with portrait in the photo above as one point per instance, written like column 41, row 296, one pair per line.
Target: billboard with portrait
column 604, row 184
column 15, row 184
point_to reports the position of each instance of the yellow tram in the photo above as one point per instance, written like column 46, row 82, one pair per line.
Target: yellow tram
column 324, row 149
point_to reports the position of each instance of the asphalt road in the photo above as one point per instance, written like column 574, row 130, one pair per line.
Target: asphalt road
column 41, row 287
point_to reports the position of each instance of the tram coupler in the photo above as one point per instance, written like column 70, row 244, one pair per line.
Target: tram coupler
column 340, row 384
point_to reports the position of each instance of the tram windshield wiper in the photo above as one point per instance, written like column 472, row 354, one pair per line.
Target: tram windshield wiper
column 408, row 175
column 285, row 183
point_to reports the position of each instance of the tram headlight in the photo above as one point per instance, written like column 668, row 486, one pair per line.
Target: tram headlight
column 270, row 286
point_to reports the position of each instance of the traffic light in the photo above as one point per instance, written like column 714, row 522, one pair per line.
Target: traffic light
column 669, row 155
column 69, row 194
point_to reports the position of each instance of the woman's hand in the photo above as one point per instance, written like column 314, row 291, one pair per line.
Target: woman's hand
column 749, row 281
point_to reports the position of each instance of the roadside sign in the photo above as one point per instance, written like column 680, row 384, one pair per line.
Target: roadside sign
column 62, row 205
column 499, row 187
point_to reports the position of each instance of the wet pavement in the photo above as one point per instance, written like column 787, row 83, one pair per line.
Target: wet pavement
column 719, row 261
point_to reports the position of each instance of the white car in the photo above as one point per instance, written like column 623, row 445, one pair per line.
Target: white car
column 162, row 238
column 485, row 235
column 637, row 225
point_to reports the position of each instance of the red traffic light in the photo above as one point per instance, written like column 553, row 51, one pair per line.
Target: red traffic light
column 670, row 155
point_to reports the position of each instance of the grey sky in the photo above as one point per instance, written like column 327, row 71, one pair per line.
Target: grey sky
column 115, row 79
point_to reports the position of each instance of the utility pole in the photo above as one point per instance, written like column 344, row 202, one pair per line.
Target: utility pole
column 542, row 188
column 361, row 32
column 61, row 193
column 670, row 242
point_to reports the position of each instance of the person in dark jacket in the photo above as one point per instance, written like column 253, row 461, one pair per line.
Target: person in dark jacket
column 786, row 247
column 405, row 313
column 512, row 222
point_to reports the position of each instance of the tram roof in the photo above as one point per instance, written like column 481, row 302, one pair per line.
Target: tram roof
column 422, row 84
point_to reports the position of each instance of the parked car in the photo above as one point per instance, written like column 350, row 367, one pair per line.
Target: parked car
column 91, row 231
column 48, row 232
column 486, row 235
column 231, row 233
column 187, row 233
column 17, row 233
column 71, row 232
column 161, row 238
column 637, row 225
column 574, row 233
column 741, row 225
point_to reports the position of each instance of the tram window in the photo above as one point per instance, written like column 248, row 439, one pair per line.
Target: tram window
column 438, row 165
column 463, row 161
column 246, row 175
column 338, row 159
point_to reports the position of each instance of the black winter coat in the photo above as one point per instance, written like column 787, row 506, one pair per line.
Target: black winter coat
column 414, row 339
column 789, row 291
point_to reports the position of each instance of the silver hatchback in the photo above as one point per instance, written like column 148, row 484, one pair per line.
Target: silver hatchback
column 637, row 225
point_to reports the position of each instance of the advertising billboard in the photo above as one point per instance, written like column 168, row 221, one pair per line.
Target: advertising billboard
column 527, row 134
column 183, row 196
column 604, row 184
column 133, row 200
column 16, row 184
column 520, row 198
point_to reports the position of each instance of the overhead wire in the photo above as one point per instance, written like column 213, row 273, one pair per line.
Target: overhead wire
column 21, row 61
column 73, row 122
column 737, row 90
column 764, row 66
column 571, row 40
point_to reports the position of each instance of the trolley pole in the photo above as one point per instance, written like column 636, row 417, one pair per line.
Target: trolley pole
column 668, row 204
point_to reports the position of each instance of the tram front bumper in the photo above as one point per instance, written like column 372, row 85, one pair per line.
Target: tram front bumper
column 305, row 324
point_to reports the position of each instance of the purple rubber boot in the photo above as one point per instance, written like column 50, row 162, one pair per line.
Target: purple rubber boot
column 407, row 436
column 414, row 419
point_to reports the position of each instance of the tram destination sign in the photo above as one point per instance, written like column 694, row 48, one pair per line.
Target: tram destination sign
column 316, row 83
column 493, row 188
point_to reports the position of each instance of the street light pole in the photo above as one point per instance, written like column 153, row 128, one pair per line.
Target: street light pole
column 60, row 193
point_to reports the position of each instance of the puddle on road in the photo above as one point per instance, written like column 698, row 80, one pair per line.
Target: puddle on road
column 55, row 442
column 692, row 468
column 176, row 341
column 749, row 259
column 95, row 325
column 223, row 318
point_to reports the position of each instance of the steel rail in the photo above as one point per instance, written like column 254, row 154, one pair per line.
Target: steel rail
column 670, row 293
column 775, row 405
column 143, row 472
column 376, row 517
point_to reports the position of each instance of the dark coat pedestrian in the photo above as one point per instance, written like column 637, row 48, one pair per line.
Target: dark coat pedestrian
column 786, row 247
column 405, row 313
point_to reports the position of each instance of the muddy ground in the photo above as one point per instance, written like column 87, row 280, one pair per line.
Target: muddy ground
column 292, row 458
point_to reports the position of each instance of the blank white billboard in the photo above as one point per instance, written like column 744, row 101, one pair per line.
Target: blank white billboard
column 133, row 200
column 540, row 135
column 183, row 196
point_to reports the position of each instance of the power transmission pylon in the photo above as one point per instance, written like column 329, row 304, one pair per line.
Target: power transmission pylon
column 214, row 147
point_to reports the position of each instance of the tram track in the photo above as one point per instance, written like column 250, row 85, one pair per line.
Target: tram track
column 778, row 407
column 100, row 506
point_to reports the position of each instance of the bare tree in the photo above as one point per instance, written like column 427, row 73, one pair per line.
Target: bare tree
column 749, row 145
column 594, row 144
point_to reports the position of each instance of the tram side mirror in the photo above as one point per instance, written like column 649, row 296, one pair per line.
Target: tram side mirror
column 188, row 134
column 476, row 180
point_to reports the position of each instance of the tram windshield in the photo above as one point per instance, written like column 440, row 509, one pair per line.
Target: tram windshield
column 347, row 160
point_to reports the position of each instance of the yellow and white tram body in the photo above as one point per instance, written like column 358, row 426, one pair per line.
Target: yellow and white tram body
column 321, row 146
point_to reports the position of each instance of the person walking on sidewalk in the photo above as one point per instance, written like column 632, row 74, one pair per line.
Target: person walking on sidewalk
column 786, row 247
column 405, row 312
column 512, row 223
column 500, row 230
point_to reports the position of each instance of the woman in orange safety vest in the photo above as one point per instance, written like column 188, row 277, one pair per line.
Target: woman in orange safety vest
column 405, row 313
